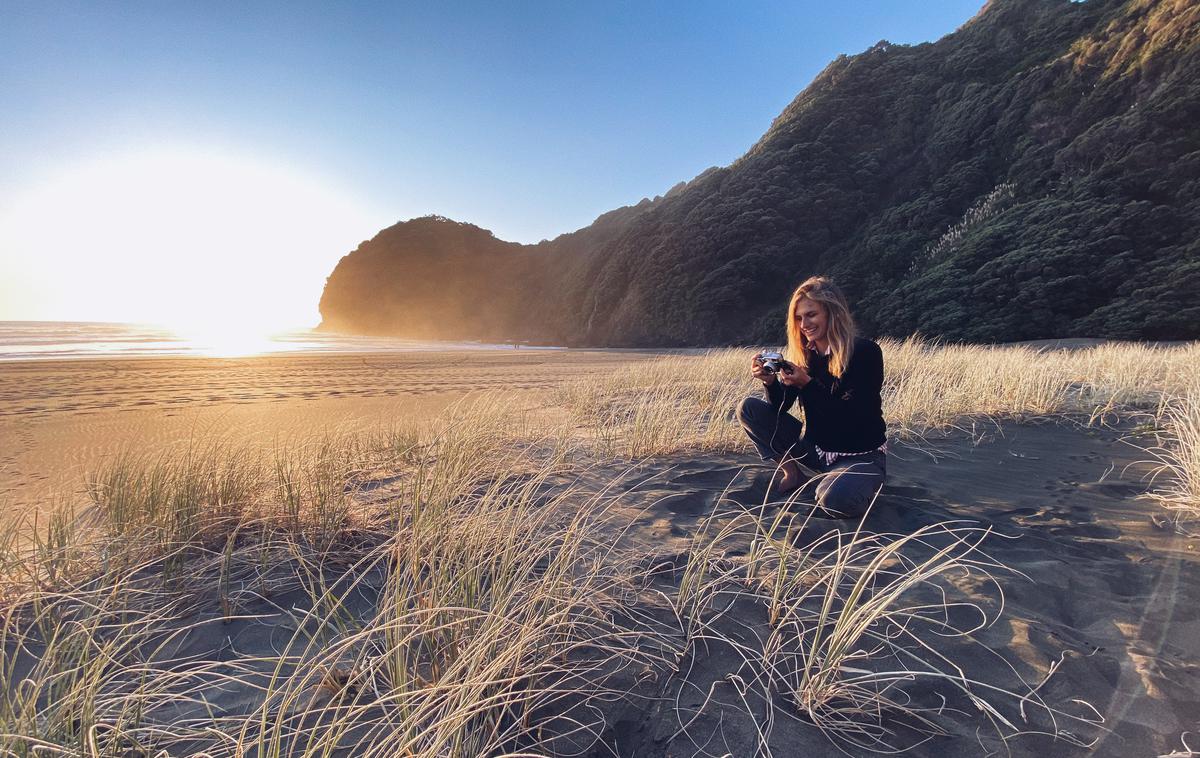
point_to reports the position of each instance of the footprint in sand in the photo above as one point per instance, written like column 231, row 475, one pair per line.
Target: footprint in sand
column 1118, row 490
column 902, row 491
column 708, row 478
column 685, row 503
column 1087, row 531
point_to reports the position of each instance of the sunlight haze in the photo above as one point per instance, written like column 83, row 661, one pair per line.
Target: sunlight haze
column 202, row 241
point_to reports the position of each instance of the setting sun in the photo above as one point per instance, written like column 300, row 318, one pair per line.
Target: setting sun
column 225, row 340
column 203, row 241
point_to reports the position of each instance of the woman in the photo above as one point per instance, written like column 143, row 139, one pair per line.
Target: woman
column 837, row 377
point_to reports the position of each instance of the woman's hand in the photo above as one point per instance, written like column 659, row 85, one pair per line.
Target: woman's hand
column 793, row 376
column 758, row 372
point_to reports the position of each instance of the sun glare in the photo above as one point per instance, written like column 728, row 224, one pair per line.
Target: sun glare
column 205, row 242
column 225, row 341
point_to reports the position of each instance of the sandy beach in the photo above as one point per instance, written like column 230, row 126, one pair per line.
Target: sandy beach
column 58, row 419
column 1090, row 598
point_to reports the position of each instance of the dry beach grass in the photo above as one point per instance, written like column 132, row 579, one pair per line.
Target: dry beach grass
column 590, row 579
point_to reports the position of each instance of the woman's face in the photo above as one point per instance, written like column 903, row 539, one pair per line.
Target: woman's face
column 814, row 322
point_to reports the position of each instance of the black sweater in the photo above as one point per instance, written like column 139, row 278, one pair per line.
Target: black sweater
column 841, row 415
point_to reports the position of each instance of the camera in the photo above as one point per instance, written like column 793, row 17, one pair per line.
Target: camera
column 774, row 362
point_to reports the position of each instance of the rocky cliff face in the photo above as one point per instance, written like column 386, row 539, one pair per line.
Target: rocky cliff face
column 1035, row 174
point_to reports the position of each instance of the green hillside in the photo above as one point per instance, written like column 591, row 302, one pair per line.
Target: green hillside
column 1036, row 174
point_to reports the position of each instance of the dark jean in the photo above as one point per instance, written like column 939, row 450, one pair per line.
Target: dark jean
column 843, row 489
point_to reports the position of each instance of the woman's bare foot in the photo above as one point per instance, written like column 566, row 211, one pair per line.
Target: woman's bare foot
column 788, row 479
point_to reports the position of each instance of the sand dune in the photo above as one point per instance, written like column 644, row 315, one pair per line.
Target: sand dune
column 1093, row 600
column 1094, row 592
column 1096, row 586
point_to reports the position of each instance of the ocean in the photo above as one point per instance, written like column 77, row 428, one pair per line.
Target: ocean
column 47, row 340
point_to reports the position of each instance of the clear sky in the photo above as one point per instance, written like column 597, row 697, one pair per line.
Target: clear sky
column 162, row 159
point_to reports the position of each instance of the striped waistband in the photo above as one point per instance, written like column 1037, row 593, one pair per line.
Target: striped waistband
column 829, row 457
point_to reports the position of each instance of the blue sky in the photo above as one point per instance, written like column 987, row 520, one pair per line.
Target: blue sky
column 529, row 119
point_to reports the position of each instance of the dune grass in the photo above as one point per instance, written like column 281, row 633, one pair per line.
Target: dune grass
column 425, row 592
column 686, row 403
column 448, row 588
column 1176, row 459
column 852, row 620
column 417, row 592
column 679, row 403
column 662, row 406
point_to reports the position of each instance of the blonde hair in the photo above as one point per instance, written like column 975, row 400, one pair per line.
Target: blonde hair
column 840, row 330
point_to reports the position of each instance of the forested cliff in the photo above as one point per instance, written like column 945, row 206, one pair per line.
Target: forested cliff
column 1035, row 174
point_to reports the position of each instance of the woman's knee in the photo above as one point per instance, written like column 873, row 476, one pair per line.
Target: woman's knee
column 847, row 493
column 751, row 408
column 840, row 502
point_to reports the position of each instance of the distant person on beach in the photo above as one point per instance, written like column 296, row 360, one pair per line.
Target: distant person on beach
column 837, row 376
